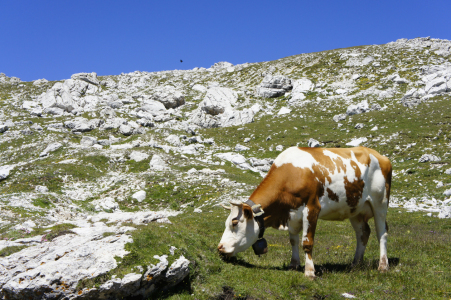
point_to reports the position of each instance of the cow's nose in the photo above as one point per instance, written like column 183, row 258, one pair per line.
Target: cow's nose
column 221, row 248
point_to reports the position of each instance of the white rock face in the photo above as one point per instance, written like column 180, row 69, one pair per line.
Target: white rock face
column 274, row 86
column 359, row 108
column 340, row 117
column 357, row 142
column 169, row 96
column 428, row 157
column 313, row 143
column 218, row 100
column 139, row 196
column 218, row 110
column 88, row 141
column 284, row 111
column 138, row 156
column 41, row 189
column 4, row 171
column 107, row 203
column 239, row 148
column 157, row 163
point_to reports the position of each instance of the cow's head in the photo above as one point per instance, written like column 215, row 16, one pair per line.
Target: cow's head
column 241, row 232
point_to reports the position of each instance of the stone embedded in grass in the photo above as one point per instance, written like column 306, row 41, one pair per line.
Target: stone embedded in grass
column 138, row 156
column 447, row 192
column 157, row 163
column 41, row 189
column 284, row 111
column 448, row 171
column 428, row 157
column 3, row 128
column 357, row 142
column 359, row 126
column 313, row 143
column 4, row 171
column 139, row 196
column 51, row 148
column 340, row 117
column 88, row 141
column 279, row 148
column 239, row 148
column 107, row 203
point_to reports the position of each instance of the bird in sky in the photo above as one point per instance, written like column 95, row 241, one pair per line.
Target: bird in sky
column 181, row 61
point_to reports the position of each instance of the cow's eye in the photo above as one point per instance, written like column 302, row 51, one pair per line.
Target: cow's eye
column 234, row 222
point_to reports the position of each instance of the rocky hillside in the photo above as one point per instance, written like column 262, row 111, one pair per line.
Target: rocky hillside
column 87, row 160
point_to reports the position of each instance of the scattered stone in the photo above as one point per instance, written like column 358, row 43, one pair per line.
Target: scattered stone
column 107, row 203
column 359, row 126
column 138, row 156
column 41, row 189
column 274, row 86
column 279, row 148
column 448, row 171
column 313, row 143
column 239, row 148
column 88, row 141
column 4, row 171
column 428, row 157
column 139, row 196
column 157, row 163
column 340, row 117
column 284, row 111
column 51, row 148
column 357, row 142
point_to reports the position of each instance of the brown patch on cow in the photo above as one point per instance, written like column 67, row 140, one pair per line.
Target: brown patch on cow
column 332, row 196
column 247, row 210
column 354, row 189
column 283, row 189
column 366, row 231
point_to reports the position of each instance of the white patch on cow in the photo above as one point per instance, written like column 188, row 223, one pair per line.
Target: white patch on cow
column 305, row 224
column 333, row 210
column 296, row 157
column 240, row 237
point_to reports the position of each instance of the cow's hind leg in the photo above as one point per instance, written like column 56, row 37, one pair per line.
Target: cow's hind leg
column 309, row 219
column 362, row 233
column 382, row 233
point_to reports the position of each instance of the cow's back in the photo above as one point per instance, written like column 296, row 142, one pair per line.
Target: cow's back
column 340, row 179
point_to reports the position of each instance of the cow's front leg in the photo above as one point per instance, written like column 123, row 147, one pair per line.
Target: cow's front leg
column 310, row 217
column 294, row 241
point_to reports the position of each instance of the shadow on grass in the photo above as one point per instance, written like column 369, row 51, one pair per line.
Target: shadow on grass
column 320, row 269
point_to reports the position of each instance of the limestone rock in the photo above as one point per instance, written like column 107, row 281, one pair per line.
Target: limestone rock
column 313, row 143
column 157, row 163
column 4, row 171
column 50, row 148
column 274, row 86
column 139, row 196
column 428, row 157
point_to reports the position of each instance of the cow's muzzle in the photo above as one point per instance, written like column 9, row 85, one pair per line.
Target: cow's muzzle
column 260, row 247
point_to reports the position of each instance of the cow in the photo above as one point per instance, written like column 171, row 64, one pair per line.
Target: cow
column 307, row 184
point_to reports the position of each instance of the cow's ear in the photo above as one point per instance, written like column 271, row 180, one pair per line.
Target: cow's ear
column 247, row 211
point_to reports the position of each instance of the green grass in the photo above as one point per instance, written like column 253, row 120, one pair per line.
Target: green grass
column 418, row 251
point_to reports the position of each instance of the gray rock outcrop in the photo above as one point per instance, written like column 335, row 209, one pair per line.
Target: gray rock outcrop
column 274, row 86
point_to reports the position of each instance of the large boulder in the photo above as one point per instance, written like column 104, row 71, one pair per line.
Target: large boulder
column 169, row 96
column 218, row 100
column 274, row 86
column 87, row 77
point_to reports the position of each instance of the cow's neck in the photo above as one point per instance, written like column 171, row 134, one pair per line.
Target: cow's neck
column 276, row 202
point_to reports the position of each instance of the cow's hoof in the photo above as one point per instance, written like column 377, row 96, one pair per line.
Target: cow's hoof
column 293, row 267
column 310, row 275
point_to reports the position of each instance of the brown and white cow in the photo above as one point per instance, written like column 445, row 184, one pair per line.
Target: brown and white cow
column 305, row 184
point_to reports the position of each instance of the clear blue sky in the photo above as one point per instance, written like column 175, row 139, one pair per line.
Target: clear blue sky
column 55, row 39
